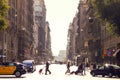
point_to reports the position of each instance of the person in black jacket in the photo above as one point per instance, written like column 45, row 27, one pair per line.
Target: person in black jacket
column 47, row 68
column 68, row 67
column 79, row 70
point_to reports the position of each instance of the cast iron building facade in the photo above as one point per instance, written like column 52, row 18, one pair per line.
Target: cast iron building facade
column 26, row 35
column 25, row 31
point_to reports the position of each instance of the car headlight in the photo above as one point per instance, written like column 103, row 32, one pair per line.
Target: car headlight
column 31, row 67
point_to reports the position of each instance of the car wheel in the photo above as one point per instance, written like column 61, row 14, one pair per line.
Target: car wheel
column 17, row 74
column 93, row 74
column 103, row 75
column 110, row 74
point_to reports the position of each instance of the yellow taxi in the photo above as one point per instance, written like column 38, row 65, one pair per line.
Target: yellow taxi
column 12, row 68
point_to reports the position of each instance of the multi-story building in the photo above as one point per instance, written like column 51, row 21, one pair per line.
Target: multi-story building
column 48, row 42
column 94, row 36
column 39, row 28
column 71, row 40
column 17, row 38
column 9, row 38
column 42, row 38
column 41, row 32
column 90, row 33
column 37, row 14
column 101, row 45
column 28, row 34
column 84, row 35
column 93, row 42
column 25, row 31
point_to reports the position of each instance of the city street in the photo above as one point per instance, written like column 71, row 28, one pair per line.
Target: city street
column 58, row 73
column 81, row 32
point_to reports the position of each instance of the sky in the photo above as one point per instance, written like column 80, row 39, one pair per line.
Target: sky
column 59, row 14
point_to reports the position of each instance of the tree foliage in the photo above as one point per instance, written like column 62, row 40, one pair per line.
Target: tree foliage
column 109, row 12
column 3, row 10
column 3, row 23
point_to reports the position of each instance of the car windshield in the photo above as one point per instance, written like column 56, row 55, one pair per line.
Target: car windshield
column 28, row 64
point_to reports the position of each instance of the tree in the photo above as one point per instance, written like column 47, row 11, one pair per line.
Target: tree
column 3, row 10
column 109, row 12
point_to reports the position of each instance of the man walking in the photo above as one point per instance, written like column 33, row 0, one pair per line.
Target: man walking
column 47, row 68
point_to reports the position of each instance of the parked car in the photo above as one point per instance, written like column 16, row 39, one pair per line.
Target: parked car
column 30, row 64
column 110, row 70
column 12, row 68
